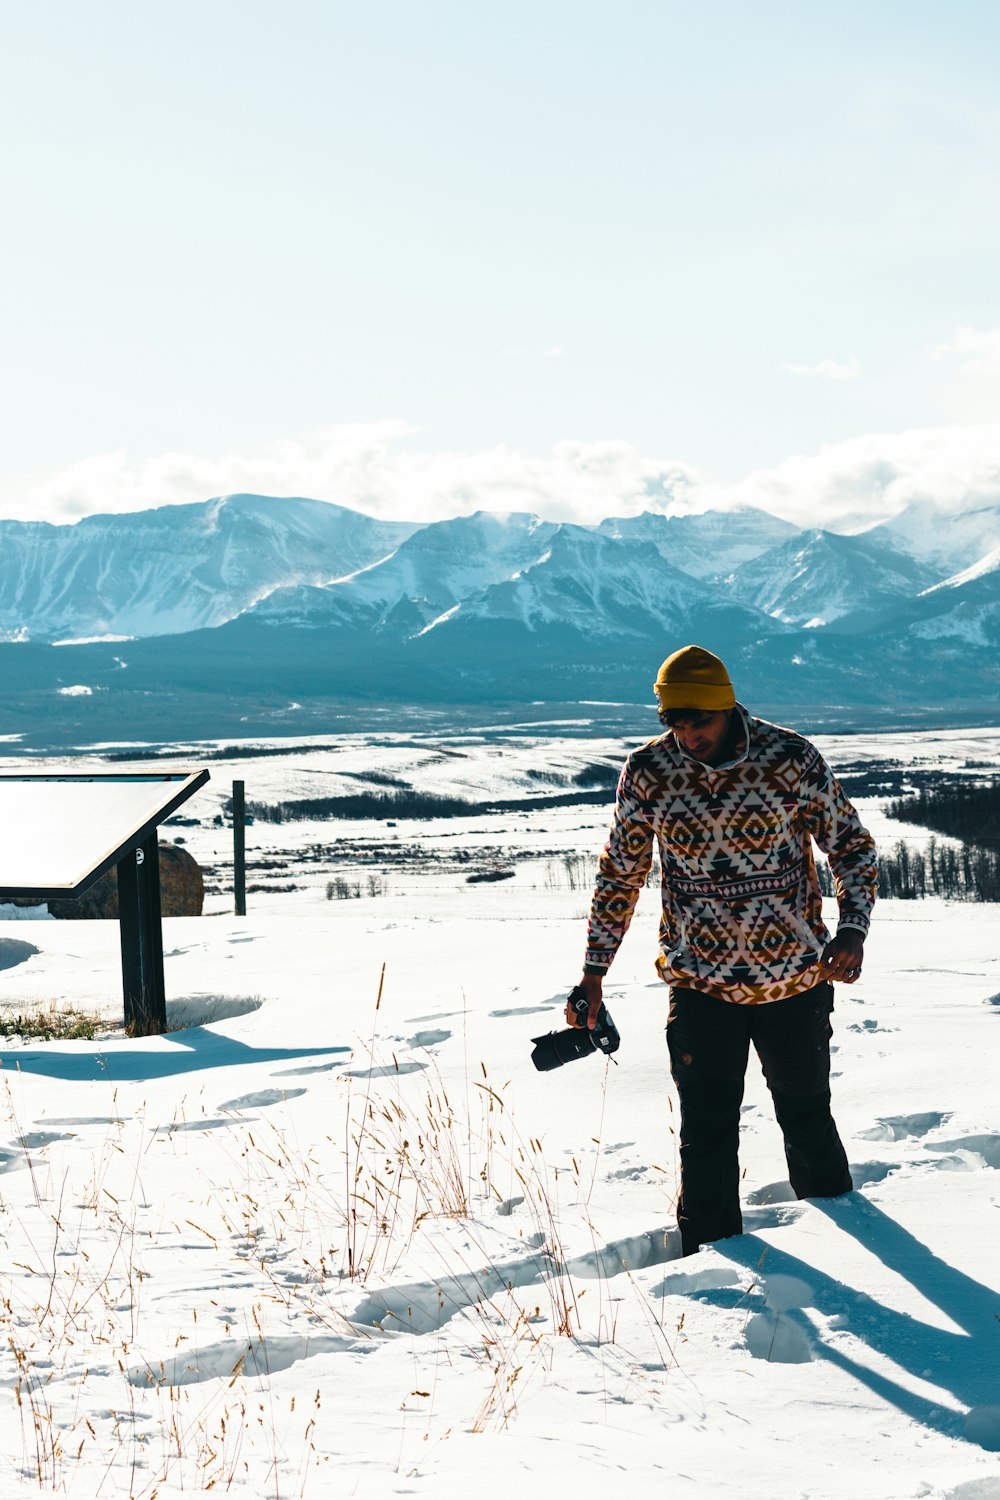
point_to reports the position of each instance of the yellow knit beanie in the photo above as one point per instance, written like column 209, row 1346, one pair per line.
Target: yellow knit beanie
column 694, row 678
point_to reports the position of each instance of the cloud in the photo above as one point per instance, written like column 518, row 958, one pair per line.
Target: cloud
column 378, row 468
column 365, row 467
column 978, row 350
column 849, row 485
column 829, row 369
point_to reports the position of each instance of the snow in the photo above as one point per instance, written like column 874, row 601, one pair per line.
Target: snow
column 92, row 640
column 986, row 564
column 334, row 1236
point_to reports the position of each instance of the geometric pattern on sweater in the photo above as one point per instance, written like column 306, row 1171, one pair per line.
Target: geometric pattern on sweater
column 742, row 914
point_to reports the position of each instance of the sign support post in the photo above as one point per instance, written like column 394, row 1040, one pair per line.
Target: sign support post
column 142, row 940
column 240, row 847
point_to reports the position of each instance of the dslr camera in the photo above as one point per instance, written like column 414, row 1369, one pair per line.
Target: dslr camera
column 558, row 1047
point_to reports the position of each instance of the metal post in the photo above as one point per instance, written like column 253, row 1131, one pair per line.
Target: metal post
column 239, row 848
column 142, row 940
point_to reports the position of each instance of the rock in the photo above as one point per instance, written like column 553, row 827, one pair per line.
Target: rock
column 182, row 890
column 182, row 885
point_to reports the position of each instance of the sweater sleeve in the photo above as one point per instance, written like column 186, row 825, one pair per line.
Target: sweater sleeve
column 621, row 874
column 833, row 822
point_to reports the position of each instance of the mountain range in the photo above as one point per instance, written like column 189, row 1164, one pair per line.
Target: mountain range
column 251, row 609
column 176, row 568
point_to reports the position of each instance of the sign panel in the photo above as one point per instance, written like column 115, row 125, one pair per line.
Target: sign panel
column 59, row 832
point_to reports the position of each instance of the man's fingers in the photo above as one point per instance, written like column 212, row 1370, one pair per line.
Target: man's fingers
column 841, row 964
column 593, row 1012
column 842, row 968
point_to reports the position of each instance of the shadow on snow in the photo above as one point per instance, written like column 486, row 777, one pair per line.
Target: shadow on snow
column 962, row 1362
column 155, row 1057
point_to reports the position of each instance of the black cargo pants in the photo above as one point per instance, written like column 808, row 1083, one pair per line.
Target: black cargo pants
column 709, row 1043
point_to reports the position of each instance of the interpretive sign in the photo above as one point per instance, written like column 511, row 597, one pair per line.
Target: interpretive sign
column 62, row 830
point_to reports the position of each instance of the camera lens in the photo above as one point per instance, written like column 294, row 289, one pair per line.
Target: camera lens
column 559, row 1047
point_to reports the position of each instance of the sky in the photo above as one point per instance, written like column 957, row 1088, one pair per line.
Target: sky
column 419, row 258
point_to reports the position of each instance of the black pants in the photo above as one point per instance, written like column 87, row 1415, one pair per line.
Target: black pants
column 709, row 1043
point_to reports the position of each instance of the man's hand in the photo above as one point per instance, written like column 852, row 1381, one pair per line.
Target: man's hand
column 843, row 956
column 592, row 986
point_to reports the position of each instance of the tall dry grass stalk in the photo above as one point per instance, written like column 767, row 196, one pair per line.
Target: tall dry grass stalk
column 308, row 1230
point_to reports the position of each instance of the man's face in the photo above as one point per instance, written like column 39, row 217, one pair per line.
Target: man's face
column 701, row 734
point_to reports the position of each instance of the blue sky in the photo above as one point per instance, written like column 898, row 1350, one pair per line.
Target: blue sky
column 719, row 234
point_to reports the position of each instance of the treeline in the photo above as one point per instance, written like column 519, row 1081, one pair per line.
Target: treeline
column 909, row 874
column 964, row 874
column 407, row 804
column 595, row 775
column 962, row 809
column 221, row 752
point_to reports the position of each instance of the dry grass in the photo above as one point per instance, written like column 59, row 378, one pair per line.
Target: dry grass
column 55, row 1024
column 310, row 1231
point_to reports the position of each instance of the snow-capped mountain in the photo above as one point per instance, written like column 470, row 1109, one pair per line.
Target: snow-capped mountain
column 278, row 607
column 817, row 577
column 948, row 543
column 965, row 607
column 986, row 565
column 581, row 601
column 709, row 545
column 593, row 609
column 431, row 572
column 599, row 585
column 176, row 568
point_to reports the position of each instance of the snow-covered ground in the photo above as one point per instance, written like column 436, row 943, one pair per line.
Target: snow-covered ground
column 336, row 1236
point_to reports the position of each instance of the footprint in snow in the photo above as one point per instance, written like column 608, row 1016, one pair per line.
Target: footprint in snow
column 86, row 1120
column 870, row 1025
column 424, row 1307
column 428, row 1038
column 904, row 1127
column 521, row 1010
column 773, row 1192
column 779, row 1333
column 233, row 1359
column 862, row 1173
column 14, row 1157
column 688, row 1283
column 774, row 1215
column 261, row 1099
column 388, row 1070
column 312, row 1068
column 986, row 1146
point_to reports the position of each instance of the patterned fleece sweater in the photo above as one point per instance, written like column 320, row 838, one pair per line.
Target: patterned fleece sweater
column 742, row 910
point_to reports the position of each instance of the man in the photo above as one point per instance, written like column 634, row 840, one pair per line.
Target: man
column 734, row 804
